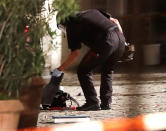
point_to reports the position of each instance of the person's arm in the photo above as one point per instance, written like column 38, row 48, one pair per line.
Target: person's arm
column 117, row 23
column 73, row 55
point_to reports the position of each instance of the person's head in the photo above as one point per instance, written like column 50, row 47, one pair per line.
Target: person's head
column 63, row 21
column 62, row 28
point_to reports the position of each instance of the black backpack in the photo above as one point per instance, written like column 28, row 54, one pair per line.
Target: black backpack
column 128, row 54
column 60, row 99
column 53, row 96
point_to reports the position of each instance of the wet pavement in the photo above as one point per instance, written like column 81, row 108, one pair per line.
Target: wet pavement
column 133, row 94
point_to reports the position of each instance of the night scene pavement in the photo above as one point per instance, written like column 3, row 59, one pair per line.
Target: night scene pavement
column 133, row 94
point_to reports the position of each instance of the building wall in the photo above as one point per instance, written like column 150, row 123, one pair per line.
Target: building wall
column 52, row 51
column 142, row 22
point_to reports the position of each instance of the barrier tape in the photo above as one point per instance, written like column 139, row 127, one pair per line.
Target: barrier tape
column 153, row 122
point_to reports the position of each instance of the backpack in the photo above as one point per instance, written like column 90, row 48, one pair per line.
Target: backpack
column 54, row 97
column 128, row 54
column 61, row 98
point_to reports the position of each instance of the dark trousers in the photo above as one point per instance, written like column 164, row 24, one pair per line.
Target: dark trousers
column 107, row 59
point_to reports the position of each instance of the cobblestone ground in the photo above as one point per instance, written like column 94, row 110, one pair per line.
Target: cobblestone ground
column 132, row 95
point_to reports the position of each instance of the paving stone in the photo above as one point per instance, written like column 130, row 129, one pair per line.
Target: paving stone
column 133, row 94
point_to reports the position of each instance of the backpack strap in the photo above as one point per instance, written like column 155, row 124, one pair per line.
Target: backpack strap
column 74, row 100
column 68, row 97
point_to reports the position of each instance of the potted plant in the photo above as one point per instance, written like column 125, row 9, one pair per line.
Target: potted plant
column 22, row 60
column 22, row 27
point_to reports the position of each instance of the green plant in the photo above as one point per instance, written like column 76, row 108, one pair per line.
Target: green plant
column 65, row 8
column 21, row 60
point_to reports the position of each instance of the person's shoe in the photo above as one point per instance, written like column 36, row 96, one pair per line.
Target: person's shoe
column 105, row 107
column 88, row 107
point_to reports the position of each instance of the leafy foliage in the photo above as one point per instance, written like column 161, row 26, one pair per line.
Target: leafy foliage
column 20, row 60
column 65, row 8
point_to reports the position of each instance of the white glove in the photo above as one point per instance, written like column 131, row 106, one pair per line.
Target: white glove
column 56, row 73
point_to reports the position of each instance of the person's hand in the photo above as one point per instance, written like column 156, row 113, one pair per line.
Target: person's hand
column 57, row 73
column 114, row 20
column 117, row 23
